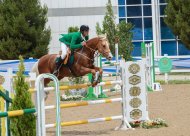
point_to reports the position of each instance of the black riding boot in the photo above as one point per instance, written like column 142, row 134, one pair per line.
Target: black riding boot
column 58, row 63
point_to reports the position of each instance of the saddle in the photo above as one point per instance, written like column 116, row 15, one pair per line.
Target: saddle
column 65, row 61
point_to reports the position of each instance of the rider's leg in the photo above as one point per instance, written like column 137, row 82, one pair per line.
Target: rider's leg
column 59, row 59
column 64, row 50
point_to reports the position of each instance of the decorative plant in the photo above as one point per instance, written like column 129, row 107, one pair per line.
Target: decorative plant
column 22, row 125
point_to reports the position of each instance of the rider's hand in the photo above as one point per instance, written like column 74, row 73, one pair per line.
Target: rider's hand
column 83, row 43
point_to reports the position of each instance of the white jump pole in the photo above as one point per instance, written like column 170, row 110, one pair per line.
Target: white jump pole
column 41, row 130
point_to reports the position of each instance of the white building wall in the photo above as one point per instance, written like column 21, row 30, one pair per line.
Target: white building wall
column 60, row 17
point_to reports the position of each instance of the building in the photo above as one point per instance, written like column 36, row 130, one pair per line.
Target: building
column 65, row 13
column 146, row 15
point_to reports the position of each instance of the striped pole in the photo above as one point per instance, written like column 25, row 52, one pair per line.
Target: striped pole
column 79, row 122
column 111, row 64
column 110, row 74
column 3, row 120
column 78, row 86
column 17, row 112
column 6, row 93
column 111, row 90
column 85, row 103
column 68, row 105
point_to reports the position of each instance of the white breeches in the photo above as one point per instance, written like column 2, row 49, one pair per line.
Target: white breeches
column 64, row 50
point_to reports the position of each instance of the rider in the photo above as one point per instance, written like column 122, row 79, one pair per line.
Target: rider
column 73, row 41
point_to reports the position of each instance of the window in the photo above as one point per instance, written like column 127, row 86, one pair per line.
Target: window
column 147, row 10
column 162, row 8
column 148, row 35
column 169, row 47
column 182, row 49
column 166, row 33
column 132, row 2
column 137, row 49
column 162, row 1
column 137, row 30
column 122, row 11
column 146, row 1
column 134, row 11
column 121, row 2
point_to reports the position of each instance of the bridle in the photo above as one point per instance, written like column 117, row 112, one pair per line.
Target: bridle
column 92, row 51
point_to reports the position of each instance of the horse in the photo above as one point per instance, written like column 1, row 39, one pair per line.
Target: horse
column 82, row 64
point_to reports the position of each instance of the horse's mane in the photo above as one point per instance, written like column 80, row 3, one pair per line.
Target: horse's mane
column 101, row 37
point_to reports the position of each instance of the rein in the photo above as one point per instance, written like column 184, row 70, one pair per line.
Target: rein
column 91, row 50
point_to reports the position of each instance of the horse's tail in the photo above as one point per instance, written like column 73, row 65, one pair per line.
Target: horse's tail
column 35, row 69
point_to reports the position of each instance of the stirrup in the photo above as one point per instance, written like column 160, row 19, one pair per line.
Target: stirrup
column 58, row 63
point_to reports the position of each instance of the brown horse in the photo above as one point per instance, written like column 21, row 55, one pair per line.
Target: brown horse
column 83, row 61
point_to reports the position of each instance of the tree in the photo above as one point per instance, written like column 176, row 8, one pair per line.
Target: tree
column 109, row 26
column 177, row 19
column 73, row 29
column 22, row 125
column 98, row 29
column 125, row 35
column 22, row 29
column 117, row 33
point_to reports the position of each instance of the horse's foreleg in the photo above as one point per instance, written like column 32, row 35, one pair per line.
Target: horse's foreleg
column 100, row 73
column 84, row 70
column 98, row 69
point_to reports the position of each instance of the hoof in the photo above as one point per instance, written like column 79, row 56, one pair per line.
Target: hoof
column 94, row 84
column 46, row 94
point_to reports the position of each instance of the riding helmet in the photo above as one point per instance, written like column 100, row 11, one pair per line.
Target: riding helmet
column 84, row 28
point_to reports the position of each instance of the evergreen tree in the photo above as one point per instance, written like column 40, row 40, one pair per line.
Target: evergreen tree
column 98, row 29
column 22, row 29
column 125, row 45
column 109, row 26
column 177, row 19
column 117, row 33
column 73, row 29
column 22, row 125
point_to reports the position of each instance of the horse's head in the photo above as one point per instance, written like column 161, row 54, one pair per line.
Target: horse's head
column 103, row 47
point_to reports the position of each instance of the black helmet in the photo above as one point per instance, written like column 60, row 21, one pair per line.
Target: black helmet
column 84, row 28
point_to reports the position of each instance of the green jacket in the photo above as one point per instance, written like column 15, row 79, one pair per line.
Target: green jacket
column 73, row 40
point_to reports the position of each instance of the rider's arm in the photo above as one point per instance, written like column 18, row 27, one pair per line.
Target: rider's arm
column 73, row 44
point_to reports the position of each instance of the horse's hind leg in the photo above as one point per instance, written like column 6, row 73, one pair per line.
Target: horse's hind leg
column 46, row 82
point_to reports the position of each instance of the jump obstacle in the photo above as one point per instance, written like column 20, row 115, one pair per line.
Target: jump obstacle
column 147, row 51
column 147, row 55
column 98, row 92
column 134, row 100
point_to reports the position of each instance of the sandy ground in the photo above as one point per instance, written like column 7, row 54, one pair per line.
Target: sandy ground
column 172, row 105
